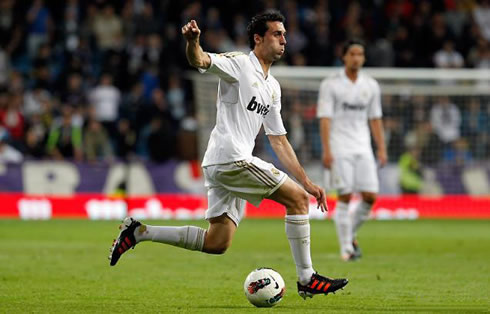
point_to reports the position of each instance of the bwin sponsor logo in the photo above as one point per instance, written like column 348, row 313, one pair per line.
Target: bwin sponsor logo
column 355, row 107
column 257, row 107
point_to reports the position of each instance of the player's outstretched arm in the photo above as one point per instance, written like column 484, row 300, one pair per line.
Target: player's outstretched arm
column 195, row 55
column 287, row 156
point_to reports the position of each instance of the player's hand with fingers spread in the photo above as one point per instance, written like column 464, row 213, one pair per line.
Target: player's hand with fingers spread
column 191, row 31
column 319, row 194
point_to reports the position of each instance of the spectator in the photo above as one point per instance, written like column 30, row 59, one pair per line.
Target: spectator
column 107, row 27
column 479, row 55
column 393, row 138
column 97, row 145
column 105, row 99
column 447, row 57
column 411, row 180
column 125, row 140
column 446, row 120
column 10, row 28
column 8, row 154
column 481, row 14
column 474, row 124
column 176, row 97
column 12, row 119
column 65, row 138
column 74, row 94
column 40, row 26
column 161, row 140
column 34, row 144
column 458, row 153
column 146, row 23
column 33, row 101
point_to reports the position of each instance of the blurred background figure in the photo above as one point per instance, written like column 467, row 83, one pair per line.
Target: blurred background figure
column 96, row 143
column 411, row 180
column 8, row 154
column 65, row 137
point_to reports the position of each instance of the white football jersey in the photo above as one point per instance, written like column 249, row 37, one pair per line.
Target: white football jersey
column 246, row 100
column 349, row 105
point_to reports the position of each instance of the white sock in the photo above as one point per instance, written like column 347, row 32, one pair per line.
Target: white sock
column 359, row 215
column 298, row 233
column 187, row 237
column 344, row 228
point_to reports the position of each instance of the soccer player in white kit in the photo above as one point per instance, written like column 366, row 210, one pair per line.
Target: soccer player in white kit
column 249, row 97
column 348, row 104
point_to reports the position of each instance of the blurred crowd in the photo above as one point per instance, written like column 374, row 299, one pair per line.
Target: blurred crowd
column 101, row 80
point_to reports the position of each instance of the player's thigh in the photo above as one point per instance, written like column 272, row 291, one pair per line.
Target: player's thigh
column 340, row 176
column 293, row 196
column 366, row 174
column 251, row 180
column 222, row 201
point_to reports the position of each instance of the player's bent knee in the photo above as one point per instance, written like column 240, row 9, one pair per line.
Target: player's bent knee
column 368, row 197
column 344, row 198
column 217, row 249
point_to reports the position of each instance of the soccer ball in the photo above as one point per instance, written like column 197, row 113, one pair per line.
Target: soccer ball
column 264, row 287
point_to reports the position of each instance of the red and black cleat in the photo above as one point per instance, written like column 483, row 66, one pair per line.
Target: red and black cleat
column 320, row 285
column 125, row 240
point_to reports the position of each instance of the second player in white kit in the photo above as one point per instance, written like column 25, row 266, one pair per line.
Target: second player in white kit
column 348, row 106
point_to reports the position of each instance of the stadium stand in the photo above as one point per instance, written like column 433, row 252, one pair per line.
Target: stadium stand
column 71, row 68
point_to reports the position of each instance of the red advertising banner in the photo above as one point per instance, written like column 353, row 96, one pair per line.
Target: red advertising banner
column 185, row 206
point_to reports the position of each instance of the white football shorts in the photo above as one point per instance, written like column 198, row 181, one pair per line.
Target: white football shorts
column 229, row 185
column 352, row 173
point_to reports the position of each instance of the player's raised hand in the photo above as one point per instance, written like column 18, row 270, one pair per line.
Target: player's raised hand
column 191, row 31
column 319, row 194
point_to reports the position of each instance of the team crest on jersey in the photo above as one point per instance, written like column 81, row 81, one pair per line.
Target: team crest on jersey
column 258, row 108
column 275, row 171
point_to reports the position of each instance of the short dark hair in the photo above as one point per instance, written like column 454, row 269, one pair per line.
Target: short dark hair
column 258, row 25
column 350, row 43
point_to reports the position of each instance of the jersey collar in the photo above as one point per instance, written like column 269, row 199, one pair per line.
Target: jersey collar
column 257, row 66
column 346, row 79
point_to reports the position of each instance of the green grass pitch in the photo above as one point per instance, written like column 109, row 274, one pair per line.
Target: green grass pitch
column 61, row 266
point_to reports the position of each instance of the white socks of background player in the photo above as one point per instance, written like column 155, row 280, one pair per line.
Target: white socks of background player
column 343, row 225
column 298, row 233
column 359, row 215
column 187, row 237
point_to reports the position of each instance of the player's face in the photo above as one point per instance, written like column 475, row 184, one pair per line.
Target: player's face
column 273, row 43
column 354, row 57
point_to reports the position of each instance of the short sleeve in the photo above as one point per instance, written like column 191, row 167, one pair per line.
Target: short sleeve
column 273, row 124
column 326, row 100
column 375, row 110
column 226, row 66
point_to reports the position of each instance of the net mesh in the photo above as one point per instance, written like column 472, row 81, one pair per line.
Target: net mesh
column 437, row 126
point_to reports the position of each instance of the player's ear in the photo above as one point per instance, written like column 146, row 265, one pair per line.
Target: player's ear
column 258, row 39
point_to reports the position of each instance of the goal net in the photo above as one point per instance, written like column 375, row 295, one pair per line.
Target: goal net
column 437, row 126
